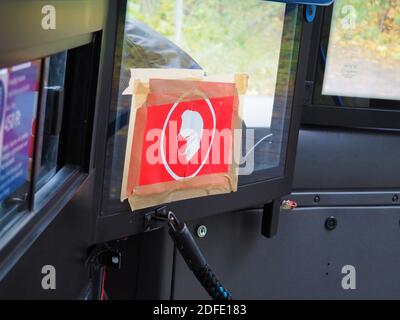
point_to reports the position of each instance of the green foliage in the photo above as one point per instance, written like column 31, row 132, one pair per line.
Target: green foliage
column 376, row 30
column 223, row 36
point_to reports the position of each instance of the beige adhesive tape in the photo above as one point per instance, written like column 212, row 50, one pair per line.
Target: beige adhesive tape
column 146, row 74
column 149, row 85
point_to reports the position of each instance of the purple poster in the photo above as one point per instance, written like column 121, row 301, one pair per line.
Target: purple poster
column 21, row 95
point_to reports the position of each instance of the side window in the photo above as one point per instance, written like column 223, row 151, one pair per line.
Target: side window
column 359, row 55
column 31, row 108
column 51, row 129
column 220, row 37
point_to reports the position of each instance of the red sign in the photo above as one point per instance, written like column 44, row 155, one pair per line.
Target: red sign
column 183, row 140
column 183, row 137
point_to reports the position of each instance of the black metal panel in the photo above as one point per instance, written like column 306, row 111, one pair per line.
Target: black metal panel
column 304, row 260
column 350, row 117
column 28, row 228
column 23, row 38
column 61, row 242
column 318, row 198
column 334, row 159
column 155, row 265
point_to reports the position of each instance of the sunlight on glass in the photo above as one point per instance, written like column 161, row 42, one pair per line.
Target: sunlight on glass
column 364, row 50
column 225, row 37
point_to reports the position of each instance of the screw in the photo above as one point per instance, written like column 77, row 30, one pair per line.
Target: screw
column 115, row 260
column 330, row 223
column 395, row 198
column 201, row 231
column 317, row 199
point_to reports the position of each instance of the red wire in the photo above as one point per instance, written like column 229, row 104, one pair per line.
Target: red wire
column 102, row 284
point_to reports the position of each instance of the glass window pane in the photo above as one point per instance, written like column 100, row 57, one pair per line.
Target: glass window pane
column 19, row 86
column 363, row 57
column 54, row 91
column 220, row 37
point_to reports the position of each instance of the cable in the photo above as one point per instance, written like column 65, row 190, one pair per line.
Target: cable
column 256, row 145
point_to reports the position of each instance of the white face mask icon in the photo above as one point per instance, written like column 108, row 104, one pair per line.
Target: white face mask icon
column 192, row 130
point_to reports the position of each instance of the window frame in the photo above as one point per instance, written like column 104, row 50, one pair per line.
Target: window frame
column 122, row 222
column 377, row 116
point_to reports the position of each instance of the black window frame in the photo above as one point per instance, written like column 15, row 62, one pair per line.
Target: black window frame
column 382, row 114
column 122, row 223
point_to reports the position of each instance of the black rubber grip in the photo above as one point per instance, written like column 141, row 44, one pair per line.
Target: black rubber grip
column 209, row 281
